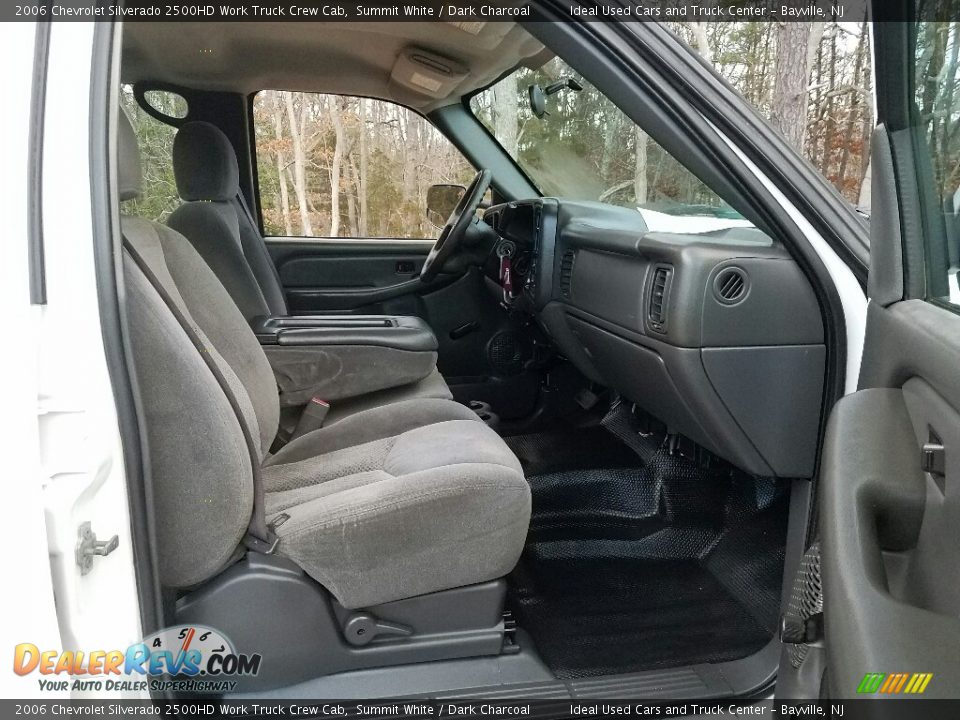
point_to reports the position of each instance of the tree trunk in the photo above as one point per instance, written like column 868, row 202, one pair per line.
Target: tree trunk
column 857, row 103
column 335, row 166
column 351, row 198
column 299, row 163
column 703, row 44
column 640, row 174
column 281, row 165
column 364, row 171
column 505, row 115
column 797, row 43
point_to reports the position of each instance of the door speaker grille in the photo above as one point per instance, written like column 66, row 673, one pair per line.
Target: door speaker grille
column 505, row 353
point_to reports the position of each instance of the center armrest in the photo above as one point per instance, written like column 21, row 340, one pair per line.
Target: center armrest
column 391, row 331
column 344, row 356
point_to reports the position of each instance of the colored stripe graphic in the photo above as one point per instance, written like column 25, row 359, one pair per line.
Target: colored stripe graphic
column 871, row 682
column 894, row 683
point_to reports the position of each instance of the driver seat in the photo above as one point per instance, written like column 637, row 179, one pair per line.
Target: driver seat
column 215, row 219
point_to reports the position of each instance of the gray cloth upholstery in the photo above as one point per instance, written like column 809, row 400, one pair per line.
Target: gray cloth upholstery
column 389, row 503
column 204, row 163
column 200, row 466
column 220, row 229
column 372, row 424
column 335, row 372
column 187, row 278
column 432, row 387
column 434, row 507
column 212, row 218
column 214, row 230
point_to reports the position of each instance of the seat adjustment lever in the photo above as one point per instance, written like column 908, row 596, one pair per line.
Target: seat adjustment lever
column 362, row 627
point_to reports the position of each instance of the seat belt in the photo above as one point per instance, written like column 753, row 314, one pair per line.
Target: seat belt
column 260, row 536
column 261, row 245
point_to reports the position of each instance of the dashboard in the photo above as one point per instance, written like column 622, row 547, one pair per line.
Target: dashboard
column 716, row 333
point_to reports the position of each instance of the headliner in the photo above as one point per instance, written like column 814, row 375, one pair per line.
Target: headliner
column 346, row 58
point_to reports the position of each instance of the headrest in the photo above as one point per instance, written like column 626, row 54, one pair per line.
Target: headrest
column 129, row 175
column 204, row 163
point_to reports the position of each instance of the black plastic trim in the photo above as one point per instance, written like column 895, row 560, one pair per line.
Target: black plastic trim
column 38, row 97
column 140, row 89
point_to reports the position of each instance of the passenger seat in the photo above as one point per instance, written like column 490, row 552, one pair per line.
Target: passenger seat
column 216, row 221
column 391, row 503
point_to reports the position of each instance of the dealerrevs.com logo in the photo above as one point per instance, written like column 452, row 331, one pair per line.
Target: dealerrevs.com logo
column 184, row 658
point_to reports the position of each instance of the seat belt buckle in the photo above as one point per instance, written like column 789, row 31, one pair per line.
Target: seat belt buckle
column 312, row 417
column 263, row 547
column 270, row 545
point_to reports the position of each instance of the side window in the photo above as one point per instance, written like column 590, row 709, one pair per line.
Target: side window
column 337, row 166
column 811, row 80
column 155, row 141
column 935, row 119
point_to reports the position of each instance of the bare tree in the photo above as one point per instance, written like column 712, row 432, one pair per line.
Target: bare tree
column 640, row 174
column 277, row 108
column 299, row 161
column 505, row 115
column 797, row 43
column 333, row 107
column 364, row 171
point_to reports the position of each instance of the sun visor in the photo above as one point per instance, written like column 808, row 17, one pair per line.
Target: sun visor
column 427, row 73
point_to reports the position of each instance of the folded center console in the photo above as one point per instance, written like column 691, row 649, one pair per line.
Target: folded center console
column 341, row 356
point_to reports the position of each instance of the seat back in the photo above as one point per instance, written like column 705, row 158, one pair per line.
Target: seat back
column 216, row 222
column 201, row 469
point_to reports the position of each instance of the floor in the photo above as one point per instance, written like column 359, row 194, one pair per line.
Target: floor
column 639, row 558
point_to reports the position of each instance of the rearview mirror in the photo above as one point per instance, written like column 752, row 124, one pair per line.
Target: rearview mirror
column 441, row 201
column 538, row 95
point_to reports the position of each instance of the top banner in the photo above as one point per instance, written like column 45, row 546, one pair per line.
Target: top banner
column 469, row 11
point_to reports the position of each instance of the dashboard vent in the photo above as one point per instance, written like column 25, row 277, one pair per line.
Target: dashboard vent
column 730, row 285
column 566, row 272
column 659, row 293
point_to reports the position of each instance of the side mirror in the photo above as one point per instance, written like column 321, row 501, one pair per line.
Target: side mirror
column 441, row 202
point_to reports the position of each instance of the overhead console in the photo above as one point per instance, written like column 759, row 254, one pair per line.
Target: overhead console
column 338, row 356
column 717, row 334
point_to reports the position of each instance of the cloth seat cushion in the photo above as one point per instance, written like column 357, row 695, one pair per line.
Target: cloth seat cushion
column 421, row 508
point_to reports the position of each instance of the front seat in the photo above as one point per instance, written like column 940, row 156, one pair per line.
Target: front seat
column 216, row 221
column 390, row 503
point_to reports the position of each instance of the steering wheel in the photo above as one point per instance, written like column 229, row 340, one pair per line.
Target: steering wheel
column 451, row 237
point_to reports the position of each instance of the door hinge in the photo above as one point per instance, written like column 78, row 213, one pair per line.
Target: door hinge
column 89, row 547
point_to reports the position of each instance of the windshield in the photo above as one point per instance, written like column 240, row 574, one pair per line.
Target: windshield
column 575, row 143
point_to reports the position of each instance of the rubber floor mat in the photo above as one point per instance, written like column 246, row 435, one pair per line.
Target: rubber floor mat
column 596, row 616
column 649, row 566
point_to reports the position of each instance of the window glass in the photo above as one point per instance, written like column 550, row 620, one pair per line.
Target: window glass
column 811, row 80
column 336, row 166
column 155, row 141
column 583, row 147
column 935, row 117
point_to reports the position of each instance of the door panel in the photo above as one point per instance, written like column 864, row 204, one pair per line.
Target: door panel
column 889, row 498
column 890, row 530
column 354, row 275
